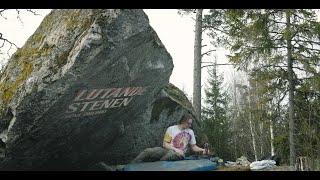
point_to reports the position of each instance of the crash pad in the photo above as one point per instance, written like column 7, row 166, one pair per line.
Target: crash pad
column 182, row 165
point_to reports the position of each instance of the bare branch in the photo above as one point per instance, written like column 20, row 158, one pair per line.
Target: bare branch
column 18, row 16
column 216, row 65
column 294, row 67
column 207, row 53
column 274, row 66
column 33, row 12
column 307, row 78
column 4, row 40
column 307, row 41
column 212, row 27
column 1, row 11
column 281, row 99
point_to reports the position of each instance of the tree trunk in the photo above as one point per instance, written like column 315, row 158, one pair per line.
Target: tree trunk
column 215, row 97
column 252, row 133
column 197, row 65
column 291, row 89
column 262, row 137
column 272, row 138
column 236, row 115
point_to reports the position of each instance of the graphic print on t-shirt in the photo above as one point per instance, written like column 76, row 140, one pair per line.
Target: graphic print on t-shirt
column 181, row 140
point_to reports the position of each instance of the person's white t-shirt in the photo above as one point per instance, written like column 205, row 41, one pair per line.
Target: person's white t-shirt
column 179, row 138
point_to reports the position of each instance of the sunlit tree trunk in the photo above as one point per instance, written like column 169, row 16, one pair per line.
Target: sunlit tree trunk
column 291, row 89
column 252, row 134
column 261, row 138
column 236, row 115
column 197, row 65
column 272, row 138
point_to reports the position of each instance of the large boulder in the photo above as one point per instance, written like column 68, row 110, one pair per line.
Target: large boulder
column 87, row 86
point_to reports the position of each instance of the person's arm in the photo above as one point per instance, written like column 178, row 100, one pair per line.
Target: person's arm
column 168, row 146
column 195, row 148
column 193, row 145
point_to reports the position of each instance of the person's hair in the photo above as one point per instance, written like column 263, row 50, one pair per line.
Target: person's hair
column 184, row 118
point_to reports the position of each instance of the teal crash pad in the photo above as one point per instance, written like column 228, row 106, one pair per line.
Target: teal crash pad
column 182, row 165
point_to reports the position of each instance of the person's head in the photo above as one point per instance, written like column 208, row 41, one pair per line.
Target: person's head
column 185, row 121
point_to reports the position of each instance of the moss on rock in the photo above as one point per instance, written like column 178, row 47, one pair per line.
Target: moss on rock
column 160, row 105
column 8, row 93
column 35, row 47
column 179, row 96
column 176, row 98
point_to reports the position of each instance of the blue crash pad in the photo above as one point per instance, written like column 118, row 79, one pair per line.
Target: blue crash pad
column 182, row 165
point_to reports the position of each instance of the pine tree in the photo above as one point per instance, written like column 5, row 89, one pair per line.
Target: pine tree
column 280, row 43
column 214, row 115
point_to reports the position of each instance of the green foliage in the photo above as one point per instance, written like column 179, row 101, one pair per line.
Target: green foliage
column 186, row 11
column 308, row 108
column 214, row 116
column 258, row 43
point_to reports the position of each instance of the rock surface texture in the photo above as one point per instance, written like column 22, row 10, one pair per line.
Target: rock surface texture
column 87, row 86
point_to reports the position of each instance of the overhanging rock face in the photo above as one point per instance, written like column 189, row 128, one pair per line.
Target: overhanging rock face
column 82, row 90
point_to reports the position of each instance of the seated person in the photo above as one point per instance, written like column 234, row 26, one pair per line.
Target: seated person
column 175, row 142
